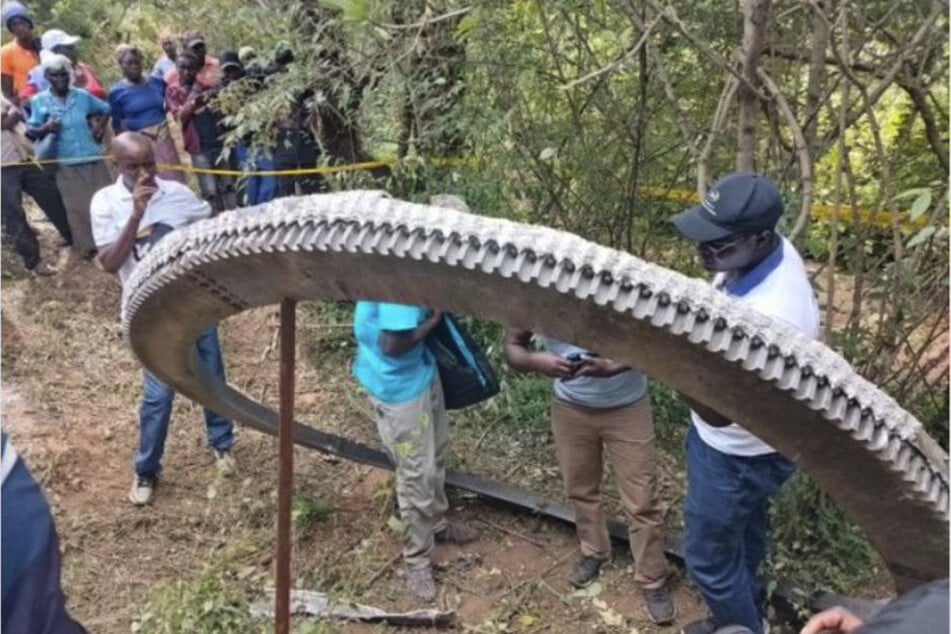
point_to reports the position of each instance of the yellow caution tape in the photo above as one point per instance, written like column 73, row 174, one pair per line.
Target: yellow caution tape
column 883, row 219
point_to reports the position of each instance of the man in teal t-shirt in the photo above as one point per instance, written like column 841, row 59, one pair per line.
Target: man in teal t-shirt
column 399, row 374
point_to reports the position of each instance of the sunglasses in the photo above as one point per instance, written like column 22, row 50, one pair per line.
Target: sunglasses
column 724, row 245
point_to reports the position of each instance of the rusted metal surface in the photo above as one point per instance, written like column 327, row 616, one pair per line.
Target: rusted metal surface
column 863, row 449
column 285, row 478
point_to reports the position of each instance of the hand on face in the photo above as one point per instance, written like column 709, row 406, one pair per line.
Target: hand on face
column 145, row 187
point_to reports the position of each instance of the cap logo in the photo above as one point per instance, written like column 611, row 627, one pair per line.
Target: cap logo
column 710, row 200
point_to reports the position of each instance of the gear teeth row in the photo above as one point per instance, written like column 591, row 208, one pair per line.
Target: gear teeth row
column 369, row 223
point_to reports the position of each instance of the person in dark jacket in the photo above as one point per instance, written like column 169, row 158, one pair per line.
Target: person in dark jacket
column 33, row 599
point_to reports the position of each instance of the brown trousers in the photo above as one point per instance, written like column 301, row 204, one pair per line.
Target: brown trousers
column 627, row 436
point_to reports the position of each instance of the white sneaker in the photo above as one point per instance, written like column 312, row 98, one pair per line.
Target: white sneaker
column 225, row 463
column 142, row 489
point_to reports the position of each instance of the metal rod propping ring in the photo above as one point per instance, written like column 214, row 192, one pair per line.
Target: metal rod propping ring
column 285, row 486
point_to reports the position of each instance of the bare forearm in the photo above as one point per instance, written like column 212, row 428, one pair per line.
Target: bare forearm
column 112, row 256
column 6, row 85
column 518, row 352
column 398, row 343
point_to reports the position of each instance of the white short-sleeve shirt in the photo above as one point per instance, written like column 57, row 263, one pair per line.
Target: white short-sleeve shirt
column 779, row 288
column 173, row 205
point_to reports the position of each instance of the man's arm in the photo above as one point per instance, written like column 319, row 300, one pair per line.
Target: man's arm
column 519, row 355
column 114, row 254
column 6, row 84
column 11, row 116
column 395, row 343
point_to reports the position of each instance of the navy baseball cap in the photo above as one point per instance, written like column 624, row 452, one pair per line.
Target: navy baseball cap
column 743, row 202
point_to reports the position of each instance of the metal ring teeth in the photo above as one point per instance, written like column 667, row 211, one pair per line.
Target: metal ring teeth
column 289, row 224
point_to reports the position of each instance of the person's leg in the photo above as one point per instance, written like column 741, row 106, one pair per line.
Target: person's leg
column 441, row 439
column 155, row 412
column 578, row 447
column 307, row 158
column 42, row 188
column 267, row 186
column 716, row 512
column 77, row 185
column 406, row 430
column 628, row 434
column 206, row 182
column 220, row 430
column 286, row 158
column 15, row 226
column 765, row 478
column 227, row 188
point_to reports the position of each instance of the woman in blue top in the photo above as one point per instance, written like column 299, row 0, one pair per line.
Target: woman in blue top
column 60, row 120
column 138, row 105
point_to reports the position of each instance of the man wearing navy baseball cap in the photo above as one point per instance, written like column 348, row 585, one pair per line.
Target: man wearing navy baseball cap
column 731, row 474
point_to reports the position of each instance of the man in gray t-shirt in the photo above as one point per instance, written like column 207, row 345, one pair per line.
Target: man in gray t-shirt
column 600, row 406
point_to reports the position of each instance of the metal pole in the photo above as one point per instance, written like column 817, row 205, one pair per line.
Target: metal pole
column 285, row 485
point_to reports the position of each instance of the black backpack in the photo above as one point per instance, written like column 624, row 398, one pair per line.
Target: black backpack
column 467, row 376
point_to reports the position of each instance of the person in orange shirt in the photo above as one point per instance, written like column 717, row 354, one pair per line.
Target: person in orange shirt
column 19, row 56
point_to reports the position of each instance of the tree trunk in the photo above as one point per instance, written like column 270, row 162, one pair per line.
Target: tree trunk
column 755, row 16
column 815, row 87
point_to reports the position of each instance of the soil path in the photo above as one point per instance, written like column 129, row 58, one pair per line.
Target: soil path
column 70, row 391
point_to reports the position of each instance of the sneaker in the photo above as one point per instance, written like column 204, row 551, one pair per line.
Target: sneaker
column 660, row 608
column 224, row 462
column 42, row 269
column 585, row 571
column 142, row 489
column 420, row 584
column 456, row 534
column 703, row 626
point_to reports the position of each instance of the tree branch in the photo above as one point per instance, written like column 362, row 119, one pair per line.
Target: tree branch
column 802, row 151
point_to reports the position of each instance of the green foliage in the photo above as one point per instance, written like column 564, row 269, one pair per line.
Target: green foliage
column 815, row 544
column 308, row 511
column 208, row 603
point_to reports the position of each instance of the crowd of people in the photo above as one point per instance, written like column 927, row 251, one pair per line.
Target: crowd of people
column 55, row 107
column 59, row 119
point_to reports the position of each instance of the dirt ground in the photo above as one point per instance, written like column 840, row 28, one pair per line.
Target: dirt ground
column 204, row 548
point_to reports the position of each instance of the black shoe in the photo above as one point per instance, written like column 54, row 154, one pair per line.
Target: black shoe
column 660, row 608
column 456, row 534
column 703, row 626
column 585, row 571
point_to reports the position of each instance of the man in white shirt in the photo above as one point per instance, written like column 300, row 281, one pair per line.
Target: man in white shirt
column 731, row 474
column 128, row 218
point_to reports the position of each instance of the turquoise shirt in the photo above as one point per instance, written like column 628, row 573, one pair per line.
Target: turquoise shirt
column 390, row 379
column 74, row 139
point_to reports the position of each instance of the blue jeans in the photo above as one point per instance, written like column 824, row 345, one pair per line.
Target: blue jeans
column 258, row 189
column 727, row 526
column 155, row 412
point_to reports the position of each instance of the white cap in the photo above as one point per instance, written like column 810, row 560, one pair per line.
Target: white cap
column 55, row 37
